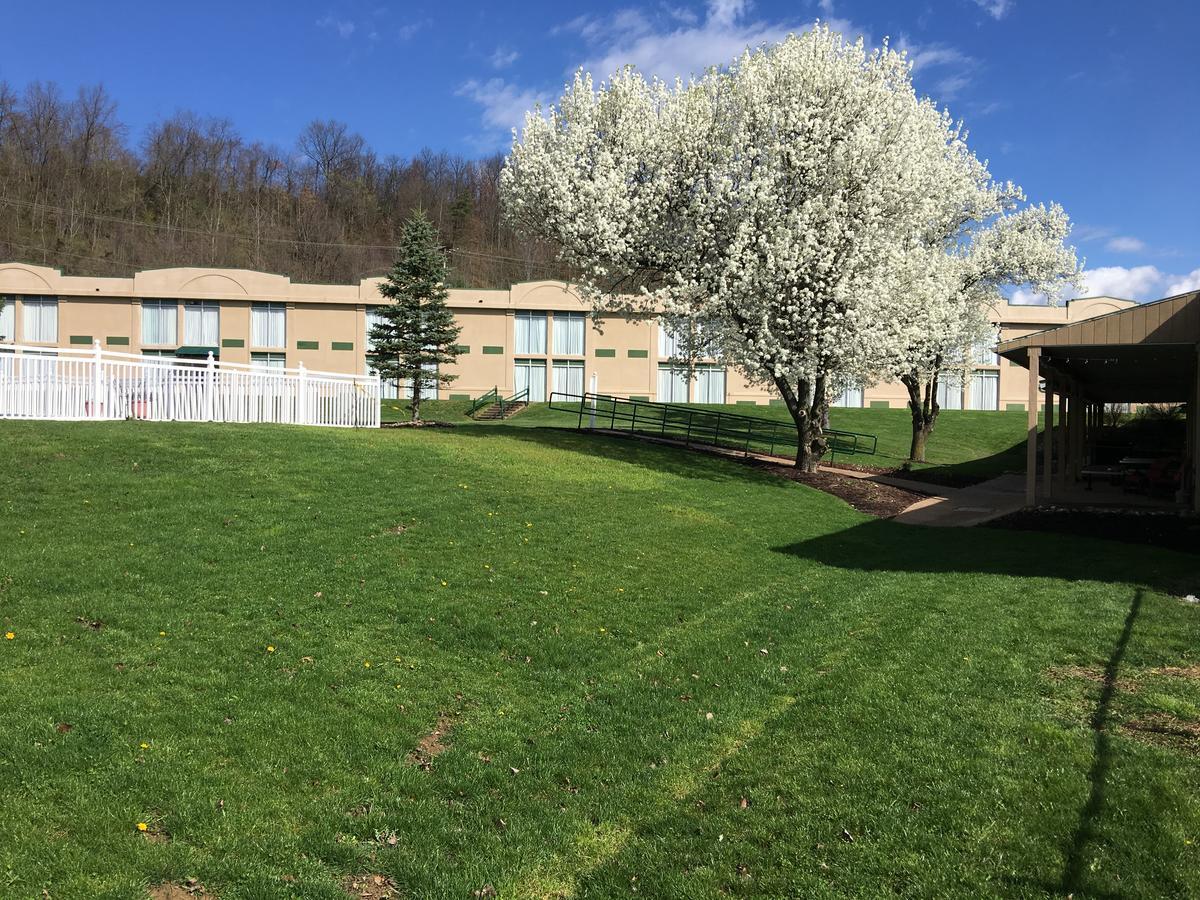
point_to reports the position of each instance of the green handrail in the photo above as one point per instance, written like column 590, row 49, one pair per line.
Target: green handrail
column 483, row 401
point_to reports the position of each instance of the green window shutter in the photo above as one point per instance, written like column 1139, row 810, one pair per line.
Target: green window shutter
column 775, row 401
column 637, row 354
column 460, row 396
column 493, row 351
column 1014, row 407
column 308, row 345
column 606, row 351
column 116, row 340
column 880, row 404
column 81, row 339
column 342, row 345
column 460, row 349
column 232, row 342
column 646, row 398
column 747, row 403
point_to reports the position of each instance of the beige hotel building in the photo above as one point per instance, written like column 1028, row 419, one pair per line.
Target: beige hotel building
column 535, row 335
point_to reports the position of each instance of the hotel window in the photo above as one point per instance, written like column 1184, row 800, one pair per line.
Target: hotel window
column 268, row 325
column 530, row 332
column 984, row 352
column 531, row 374
column 268, row 360
column 568, row 377
column 851, row 396
column 568, row 333
column 374, row 317
column 160, row 322
column 8, row 319
column 201, row 323
column 40, row 317
column 985, row 390
column 950, row 391
column 429, row 385
column 668, row 343
column 710, row 384
column 672, row 385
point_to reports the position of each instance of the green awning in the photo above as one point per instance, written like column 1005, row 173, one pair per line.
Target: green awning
column 198, row 352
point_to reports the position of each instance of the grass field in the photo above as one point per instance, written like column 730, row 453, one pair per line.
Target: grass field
column 966, row 446
column 650, row 672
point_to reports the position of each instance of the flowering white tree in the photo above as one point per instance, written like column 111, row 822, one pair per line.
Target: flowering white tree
column 773, row 196
column 936, row 313
column 694, row 340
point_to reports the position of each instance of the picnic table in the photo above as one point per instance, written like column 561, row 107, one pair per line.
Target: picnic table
column 1114, row 474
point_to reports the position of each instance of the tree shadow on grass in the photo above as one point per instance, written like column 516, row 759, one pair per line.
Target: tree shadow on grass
column 666, row 458
column 972, row 471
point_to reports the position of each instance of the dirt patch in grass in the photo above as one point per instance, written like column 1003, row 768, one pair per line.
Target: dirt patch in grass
column 422, row 424
column 433, row 744
column 1165, row 730
column 1160, row 529
column 90, row 624
column 189, row 890
column 370, row 887
column 1191, row 673
column 1094, row 674
column 880, row 500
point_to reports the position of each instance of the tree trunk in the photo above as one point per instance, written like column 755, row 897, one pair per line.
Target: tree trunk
column 924, row 411
column 416, row 399
column 806, row 404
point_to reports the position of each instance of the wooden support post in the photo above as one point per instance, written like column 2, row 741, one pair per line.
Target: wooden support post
column 1060, row 440
column 1048, row 439
column 1032, row 420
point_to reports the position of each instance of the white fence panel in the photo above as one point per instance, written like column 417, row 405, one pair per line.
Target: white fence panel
column 71, row 384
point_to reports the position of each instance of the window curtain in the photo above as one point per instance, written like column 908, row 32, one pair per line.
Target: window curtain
column 851, row 397
column 949, row 392
column 428, row 384
column 530, row 333
column 985, row 390
column 373, row 318
column 984, row 353
column 710, row 384
column 159, row 322
column 568, row 334
column 268, row 360
column 201, row 324
column 568, row 378
column 40, row 315
column 672, row 385
column 268, row 325
column 8, row 320
column 531, row 374
column 668, row 343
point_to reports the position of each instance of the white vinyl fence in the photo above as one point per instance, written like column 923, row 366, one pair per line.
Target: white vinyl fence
column 41, row 383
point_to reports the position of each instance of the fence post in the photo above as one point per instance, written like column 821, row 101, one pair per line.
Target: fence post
column 592, row 388
column 210, row 378
column 97, row 361
column 302, row 400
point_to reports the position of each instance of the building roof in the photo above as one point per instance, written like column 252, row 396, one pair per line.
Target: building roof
column 1147, row 353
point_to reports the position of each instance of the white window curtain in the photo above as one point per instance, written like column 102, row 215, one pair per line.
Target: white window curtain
column 710, row 384
column 985, row 390
column 568, row 334
column 851, row 397
column 8, row 319
column 984, row 352
column 531, row 374
column 949, row 392
column 668, row 343
column 201, row 323
column 568, row 378
column 160, row 320
column 373, row 318
column 268, row 325
column 672, row 385
column 429, row 387
column 268, row 360
column 530, row 332
column 40, row 317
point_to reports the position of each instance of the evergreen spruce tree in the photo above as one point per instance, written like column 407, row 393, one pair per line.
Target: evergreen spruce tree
column 417, row 334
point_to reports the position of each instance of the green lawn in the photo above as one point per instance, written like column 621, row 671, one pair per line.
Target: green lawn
column 966, row 446
column 654, row 670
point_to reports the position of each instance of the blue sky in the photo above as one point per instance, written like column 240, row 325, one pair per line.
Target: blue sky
column 1092, row 104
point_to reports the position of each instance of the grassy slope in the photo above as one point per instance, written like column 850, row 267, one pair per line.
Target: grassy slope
column 601, row 598
column 966, row 445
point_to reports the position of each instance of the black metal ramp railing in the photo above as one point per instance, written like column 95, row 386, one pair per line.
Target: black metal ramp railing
column 697, row 426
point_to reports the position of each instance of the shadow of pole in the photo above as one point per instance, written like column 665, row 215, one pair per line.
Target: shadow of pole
column 1089, row 817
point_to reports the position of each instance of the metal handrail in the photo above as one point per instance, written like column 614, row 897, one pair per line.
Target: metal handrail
column 700, row 426
column 484, row 400
column 519, row 397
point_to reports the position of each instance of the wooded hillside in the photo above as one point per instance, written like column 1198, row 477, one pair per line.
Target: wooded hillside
column 79, row 192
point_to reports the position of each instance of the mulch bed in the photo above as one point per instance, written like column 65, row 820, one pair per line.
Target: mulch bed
column 1129, row 526
column 422, row 424
column 880, row 500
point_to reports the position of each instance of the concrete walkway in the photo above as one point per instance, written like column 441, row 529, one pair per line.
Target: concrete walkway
column 948, row 507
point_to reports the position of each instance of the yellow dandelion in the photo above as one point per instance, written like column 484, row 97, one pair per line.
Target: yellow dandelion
column 162, row 634
column 8, row 635
column 144, row 745
column 528, row 524
column 270, row 648
column 366, row 663
column 142, row 826
column 444, row 583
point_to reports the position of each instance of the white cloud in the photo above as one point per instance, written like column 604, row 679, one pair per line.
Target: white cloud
column 950, row 68
column 1125, row 244
column 406, row 32
column 502, row 58
column 1184, row 283
column 343, row 27
column 997, row 9
column 504, row 103
column 1135, row 283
